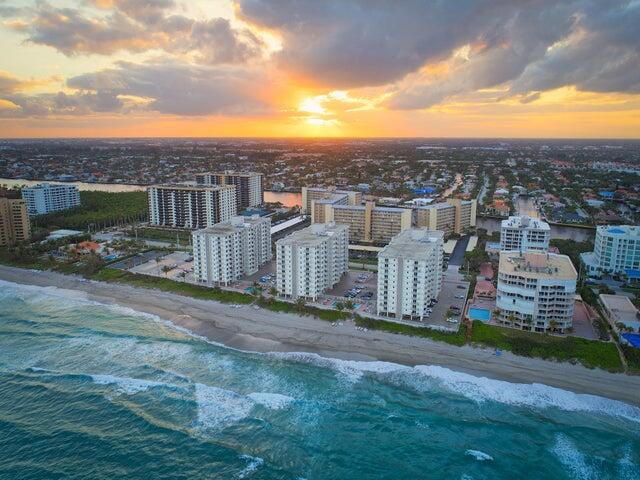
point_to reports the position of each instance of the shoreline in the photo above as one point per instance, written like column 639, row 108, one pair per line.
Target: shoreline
column 258, row 330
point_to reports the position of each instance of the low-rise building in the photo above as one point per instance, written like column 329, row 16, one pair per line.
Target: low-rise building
column 228, row 251
column 453, row 216
column 616, row 251
column 192, row 207
column 523, row 233
column 621, row 312
column 14, row 221
column 370, row 223
column 536, row 291
column 312, row 260
column 410, row 273
column 329, row 196
column 50, row 197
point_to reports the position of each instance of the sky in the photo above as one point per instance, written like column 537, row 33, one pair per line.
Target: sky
column 320, row 68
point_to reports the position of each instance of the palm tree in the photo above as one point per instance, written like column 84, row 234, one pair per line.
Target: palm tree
column 553, row 325
column 300, row 304
column 348, row 305
column 512, row 319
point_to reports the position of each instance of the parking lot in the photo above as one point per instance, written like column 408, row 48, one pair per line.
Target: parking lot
column 358, row 286
column 174, row 266
column 453, row 294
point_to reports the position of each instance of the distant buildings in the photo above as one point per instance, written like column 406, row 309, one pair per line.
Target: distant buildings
column 453, row 216
column 536, row 291
column 410, row 273
column 523, row 233
column 14, row 222
column 230, row 250
column 369, row 223
column 326, row 196
column 616, row 251
column 312, row 260
column 47, row 197
column 191, row 207
column 249, row 186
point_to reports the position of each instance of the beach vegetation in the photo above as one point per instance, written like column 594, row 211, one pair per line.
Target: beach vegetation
column 590, row 353
column 452, row 338
column 168, row 285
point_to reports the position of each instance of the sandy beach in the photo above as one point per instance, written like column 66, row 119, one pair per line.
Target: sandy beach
column 259, row 330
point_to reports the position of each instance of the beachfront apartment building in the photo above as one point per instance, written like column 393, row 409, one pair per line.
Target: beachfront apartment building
column 249, row 186
column 536, row 291
column 453, row 216
column 369, row 223
column 14, row 222
column 312, row 260
column 192, row 207
column 523, row 233
column 616, row 251
column 50, row 197
column 228, row 251
column 324, row 198
column 410, row 273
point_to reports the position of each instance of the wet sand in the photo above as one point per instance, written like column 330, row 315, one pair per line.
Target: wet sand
column 259, row 330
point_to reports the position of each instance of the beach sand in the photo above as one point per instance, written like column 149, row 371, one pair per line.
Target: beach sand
column 260, row 330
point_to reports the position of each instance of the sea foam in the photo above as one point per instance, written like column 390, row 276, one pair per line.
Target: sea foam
column 218, row 408
column 253, row 464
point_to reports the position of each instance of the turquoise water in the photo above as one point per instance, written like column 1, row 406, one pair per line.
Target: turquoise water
column 89, row 391
column 479, row 314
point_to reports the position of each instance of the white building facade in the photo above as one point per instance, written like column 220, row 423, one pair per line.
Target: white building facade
column 249, row 186
column 536, row 291
column 190, row 207
column 48, row 197
column 410, row 273
column 616, row 251
column 523, row 233
column 228, row 251
column 312, row 260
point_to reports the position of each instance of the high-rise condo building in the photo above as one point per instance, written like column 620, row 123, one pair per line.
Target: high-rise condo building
column 14, row 222
column 524, row 233
column 312, row 260
column 536, row 291
column 50, row 197
column 316, row 200
column 249, row 186
column 616, row 251
column 453, row 216
column 191, row 207
column 370, row 223
column 410, row 273
column 230, row 250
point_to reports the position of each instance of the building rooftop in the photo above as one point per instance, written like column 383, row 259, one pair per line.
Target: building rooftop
column 525, row 222
column 231, row 172
column 314, row 234
column 413, row 243
column 331, row 198
column 438, row 206
column 233, row 225
column 621, row 307
column 537, row 265
column 632, row 230
column 193, row 187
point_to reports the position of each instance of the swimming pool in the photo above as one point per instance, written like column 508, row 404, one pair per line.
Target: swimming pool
column 479, row 314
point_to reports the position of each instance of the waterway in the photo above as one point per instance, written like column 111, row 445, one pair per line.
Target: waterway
column 288, row 199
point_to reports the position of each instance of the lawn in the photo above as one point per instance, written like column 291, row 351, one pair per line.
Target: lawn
column 590, row 353
column 457, row 339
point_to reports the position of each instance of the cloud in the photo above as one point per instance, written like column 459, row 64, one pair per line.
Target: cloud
column 136, row 26
column 530, row 45
column 164, row 88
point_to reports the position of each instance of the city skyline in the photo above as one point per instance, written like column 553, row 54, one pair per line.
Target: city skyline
column 268, row 68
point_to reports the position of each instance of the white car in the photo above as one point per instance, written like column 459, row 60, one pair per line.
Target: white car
column 452, row 320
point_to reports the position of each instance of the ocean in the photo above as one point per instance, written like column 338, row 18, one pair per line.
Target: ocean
column 91, row 391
